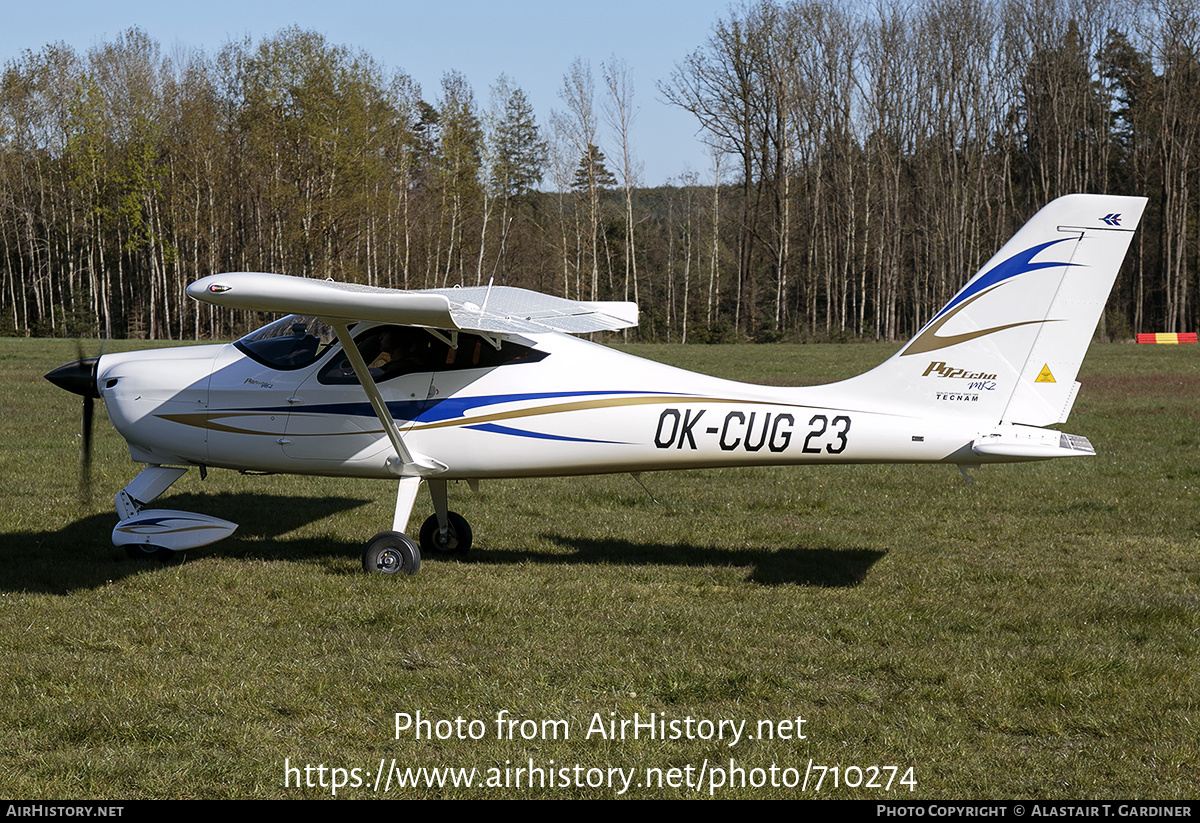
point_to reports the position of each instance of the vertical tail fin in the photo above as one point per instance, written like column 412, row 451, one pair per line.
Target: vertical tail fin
column 1008, row 346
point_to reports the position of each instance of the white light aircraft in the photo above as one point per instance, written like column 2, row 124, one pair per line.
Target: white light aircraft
column 476, row 383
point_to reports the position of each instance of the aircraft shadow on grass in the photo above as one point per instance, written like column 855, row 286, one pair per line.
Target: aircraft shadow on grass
column 770, row 566
column 80, row 556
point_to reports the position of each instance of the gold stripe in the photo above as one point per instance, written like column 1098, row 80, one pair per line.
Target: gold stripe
column 929, row 340
column 202, row 421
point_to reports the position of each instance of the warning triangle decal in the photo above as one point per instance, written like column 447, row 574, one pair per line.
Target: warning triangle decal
column 1045, row 376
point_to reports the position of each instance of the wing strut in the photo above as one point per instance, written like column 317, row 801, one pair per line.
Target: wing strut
column 405, row 463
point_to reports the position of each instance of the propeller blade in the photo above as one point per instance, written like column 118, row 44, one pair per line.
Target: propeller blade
column 80, row 378
column 85, row 454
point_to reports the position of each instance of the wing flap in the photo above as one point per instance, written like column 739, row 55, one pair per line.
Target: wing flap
column 508, row 310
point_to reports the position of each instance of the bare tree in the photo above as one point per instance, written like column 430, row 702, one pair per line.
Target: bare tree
column 578, row 127
column 620, row 112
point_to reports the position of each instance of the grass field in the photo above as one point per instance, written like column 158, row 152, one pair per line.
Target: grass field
column 1033, row 635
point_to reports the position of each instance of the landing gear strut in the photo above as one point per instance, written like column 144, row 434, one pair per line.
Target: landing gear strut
column 444, row 533
column 161, row 534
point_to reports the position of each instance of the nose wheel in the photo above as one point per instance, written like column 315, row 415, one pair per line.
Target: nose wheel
column 144, row 551
column 392, row 553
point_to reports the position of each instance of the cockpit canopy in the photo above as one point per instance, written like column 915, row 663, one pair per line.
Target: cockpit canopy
column 292, row 342
column 388, row 350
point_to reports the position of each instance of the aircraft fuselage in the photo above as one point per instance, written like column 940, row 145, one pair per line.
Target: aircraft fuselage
column 580, row 409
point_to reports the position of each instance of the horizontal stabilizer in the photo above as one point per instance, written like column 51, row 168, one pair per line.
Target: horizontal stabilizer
column 1032, row 443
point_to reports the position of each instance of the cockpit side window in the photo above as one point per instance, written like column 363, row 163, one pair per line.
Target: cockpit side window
column 290, row 343
column 392, row 351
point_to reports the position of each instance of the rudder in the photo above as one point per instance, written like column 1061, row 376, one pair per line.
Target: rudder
column 1008, row 346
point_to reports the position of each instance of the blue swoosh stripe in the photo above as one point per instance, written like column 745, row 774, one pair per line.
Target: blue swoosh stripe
column 1018, row 264
column 496, row 429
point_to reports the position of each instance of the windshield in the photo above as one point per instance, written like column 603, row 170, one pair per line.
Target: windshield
column 290, row 343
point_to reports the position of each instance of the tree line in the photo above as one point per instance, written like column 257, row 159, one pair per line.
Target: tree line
column 864, row 163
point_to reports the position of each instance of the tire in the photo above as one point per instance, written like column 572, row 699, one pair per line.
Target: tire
column 458, row 537
column 392, row 553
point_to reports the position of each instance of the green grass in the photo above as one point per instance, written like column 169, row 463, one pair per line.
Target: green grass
column 1033, row 635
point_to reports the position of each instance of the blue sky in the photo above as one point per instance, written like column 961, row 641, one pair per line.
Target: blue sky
column 532, row 41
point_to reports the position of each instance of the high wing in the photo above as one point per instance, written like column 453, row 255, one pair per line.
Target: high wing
column 488, row 309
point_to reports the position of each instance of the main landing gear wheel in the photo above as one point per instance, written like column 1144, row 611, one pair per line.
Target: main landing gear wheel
column 457, row 541
column 144, row 551
column 392, row 553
